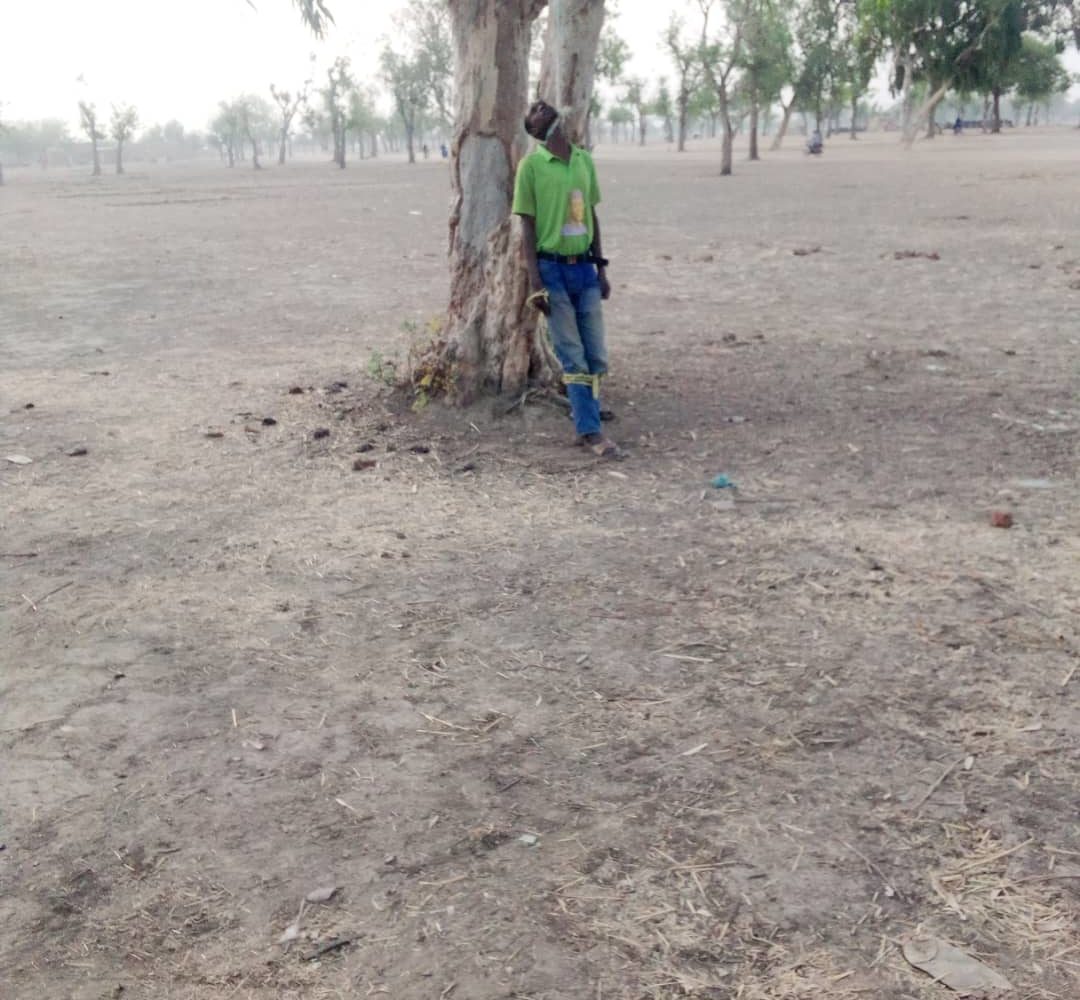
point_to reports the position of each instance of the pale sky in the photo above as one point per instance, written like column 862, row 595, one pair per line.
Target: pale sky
column 178, row 58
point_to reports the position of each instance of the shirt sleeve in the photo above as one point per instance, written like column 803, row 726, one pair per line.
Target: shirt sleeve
column 524, row 190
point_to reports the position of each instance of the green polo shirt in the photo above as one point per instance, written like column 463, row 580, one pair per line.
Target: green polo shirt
column 560, row 196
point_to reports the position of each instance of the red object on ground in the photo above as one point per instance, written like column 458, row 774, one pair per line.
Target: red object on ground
column 1001, row 519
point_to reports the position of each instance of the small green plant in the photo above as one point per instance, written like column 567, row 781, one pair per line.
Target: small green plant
column 382, row 369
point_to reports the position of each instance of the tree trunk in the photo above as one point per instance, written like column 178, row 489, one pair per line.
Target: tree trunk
column 754, row 112
column 784, row 122
column 374, row 145
column 1, row 175
column 927, row 109
column 641, row 127
column 569, row 61
column 490, row 332
column 997, row 111
column 282, row 147
column 682, row 124
column 854, row 113
column 97, row 159
column 409, row 130
column 255, row 164
column 120, row 156
column 905, row 99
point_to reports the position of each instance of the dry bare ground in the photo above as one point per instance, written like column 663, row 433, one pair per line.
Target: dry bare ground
column 552, row 728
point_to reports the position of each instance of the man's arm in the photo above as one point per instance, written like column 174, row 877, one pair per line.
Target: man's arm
column 528, row 240
column 598, row 251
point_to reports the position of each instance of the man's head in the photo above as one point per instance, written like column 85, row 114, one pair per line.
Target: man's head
column 540, row 120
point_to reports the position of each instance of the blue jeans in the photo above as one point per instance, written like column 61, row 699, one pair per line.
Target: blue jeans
column 576, row 326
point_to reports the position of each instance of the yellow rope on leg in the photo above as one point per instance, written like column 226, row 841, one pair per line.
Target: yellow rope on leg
column 583, row 378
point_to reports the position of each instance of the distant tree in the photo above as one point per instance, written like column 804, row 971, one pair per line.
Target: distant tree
column 767, row 40
column 88, row 121
column 635, row 99
column 288, row 105
column 686, row 55
column 254, row 116
column 173, row 132
column 425, row 27
column 335, row 95
column 621, row 117
column 122, row 125
column 406, row 79
column 225, row 131
column 722, row 57
column 662, row 107
column 363, row 119
column 1038, row 73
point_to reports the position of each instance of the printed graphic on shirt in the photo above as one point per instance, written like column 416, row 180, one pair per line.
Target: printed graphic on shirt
column 575, row 216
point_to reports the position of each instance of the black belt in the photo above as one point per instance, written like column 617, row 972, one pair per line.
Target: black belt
column 580, row 258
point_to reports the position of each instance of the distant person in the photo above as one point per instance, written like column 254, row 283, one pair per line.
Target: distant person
column 814, row 144
column 555, row 194
column 426, row 151
column 958, row 126
column 445, row 152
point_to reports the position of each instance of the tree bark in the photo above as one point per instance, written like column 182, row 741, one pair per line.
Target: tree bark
column 120, row 156
column 490, row 332
column 683, row 110
column 570, row 59
column 854, row 113
column 97, row 159
column 784, row 122
column 281, row 148
column 754, row 111
column 925, row 110
column 997, row 111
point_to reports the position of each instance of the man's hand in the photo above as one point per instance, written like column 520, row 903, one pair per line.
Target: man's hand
column 538, row 296
column 605, row 285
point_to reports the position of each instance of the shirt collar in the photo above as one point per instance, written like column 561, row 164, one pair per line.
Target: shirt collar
column 551, row 156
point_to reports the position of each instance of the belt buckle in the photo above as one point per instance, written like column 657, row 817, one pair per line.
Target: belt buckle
column 573, row 259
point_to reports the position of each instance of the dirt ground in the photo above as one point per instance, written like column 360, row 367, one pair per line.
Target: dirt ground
column 554, row 729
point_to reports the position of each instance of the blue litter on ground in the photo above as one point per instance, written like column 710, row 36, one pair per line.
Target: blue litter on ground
column 722, row 482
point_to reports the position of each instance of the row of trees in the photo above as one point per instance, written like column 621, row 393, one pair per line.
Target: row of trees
column 745, row 54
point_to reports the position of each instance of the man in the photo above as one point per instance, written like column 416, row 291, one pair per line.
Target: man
column 556, row 194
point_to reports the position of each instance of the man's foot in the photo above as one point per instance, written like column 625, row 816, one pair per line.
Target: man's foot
column 600, row 446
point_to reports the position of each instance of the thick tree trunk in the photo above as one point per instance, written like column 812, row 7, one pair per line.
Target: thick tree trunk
column 682, row 125
column 642, row 123
column 569, row 60
column 282, row 147
column 409, row 141
column 784, row 122
column 754, row 112
column 854, row 113
column 490, row 332
column 97, row 158
column 119, row 157
column 996, row 128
